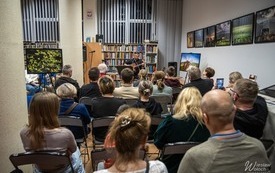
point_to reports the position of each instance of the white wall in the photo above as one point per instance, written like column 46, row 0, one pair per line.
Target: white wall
column 256, row 59
column 90, row 24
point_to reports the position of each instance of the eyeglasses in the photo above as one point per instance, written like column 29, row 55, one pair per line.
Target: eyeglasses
column 234, row 92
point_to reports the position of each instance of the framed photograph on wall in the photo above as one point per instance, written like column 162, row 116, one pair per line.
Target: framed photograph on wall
column 265, row 25
column 199, row 38
column 242, row 30
column 190, row 39
column 223, row 33
column 209, row 36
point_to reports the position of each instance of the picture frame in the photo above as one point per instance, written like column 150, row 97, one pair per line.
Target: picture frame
column 223, row 33
column 189, row 59
column 209, row 36
column 198, row 38
column 190, row 39
column 265, row 25
column 242, row 29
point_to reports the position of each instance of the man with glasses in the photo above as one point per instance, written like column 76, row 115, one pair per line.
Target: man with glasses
column 251, row 111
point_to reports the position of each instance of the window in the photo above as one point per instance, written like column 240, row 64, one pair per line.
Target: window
column 40, row 20
column 126, row 21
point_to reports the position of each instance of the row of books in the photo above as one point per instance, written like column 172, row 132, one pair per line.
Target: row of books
column 151, row 68
column 152, row 48
column 151, row 59
column 123, row 48
column 114, row 62
column 116, row 55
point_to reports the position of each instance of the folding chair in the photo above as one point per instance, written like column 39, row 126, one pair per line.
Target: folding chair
column 155, row 121
column 130, row 102
column 44, row 159
column 67, row 121
column 176, row 148
column 87, row 101
column 166, row 102
column 100, row 128
column 176, row 91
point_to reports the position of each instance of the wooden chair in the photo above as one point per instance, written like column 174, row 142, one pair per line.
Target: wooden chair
column 44, row 159
column 176, row 148
column 100, row 124
column 166, row 102
column 67, row 121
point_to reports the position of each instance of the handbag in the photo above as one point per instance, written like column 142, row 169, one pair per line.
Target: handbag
column 70, row 109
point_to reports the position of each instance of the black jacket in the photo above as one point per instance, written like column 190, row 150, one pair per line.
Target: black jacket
column 153, row 107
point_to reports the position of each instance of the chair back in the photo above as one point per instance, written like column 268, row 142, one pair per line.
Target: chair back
column 176, row 148
column 176, row 91
column 44, row 159
column 131, row 102
column 166, row 102
column 85, row 100
column 155, row 121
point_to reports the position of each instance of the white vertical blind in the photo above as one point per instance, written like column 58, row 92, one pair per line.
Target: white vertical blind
column 40, row 20
column 126, row 21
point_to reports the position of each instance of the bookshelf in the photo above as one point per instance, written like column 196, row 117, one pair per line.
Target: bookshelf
column 151, row 56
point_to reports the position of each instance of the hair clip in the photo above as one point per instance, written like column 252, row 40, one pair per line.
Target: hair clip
column 126, row 121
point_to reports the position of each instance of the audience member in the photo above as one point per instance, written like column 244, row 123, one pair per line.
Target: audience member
column 145, row 90
column 252, row 110
column 91, row 90
column 129, row 133
column 208, row 73
column 194, row 74
column 32, row 83
column 67, row 92
column 142, row 75
column 159, row 86
column 66, row 77
column 185, row 125
column 127, row 91
column 227, row 149
column 171, row 80
column 99, row 109
column 102, row 67
column 233, row 77
column 43, row 132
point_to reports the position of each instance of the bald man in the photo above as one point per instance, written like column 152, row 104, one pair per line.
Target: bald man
column 227, row 150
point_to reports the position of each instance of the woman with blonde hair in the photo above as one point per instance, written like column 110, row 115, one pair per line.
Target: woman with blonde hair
column 129, row 133
column 43, row 132
column 185, row 125
column 159, row 86
column 142, row 75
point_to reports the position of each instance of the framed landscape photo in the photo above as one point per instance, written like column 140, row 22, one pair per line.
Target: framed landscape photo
column 209, row 36
column 190, row 39
column 242, row 30
column 265, row 25
column 223, row 33
column 199, row 38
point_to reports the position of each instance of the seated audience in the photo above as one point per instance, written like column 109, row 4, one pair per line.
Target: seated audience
column 142, row 75
column 32, row 83
column 102, row 67
column 194, row 74
column 227, row 150
column 127, row 91
column 43, row 133
column 129, row 133
column 107, row 105
column 233, row 77
column 171, row 80
column 67, row 92
column 208, row 73
column 66, row 77
column 145, row 90
column 159, row 86
column 185, row 125
column 91, row 90
column 251, row 111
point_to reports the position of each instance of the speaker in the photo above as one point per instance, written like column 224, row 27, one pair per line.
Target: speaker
column 175, row 65
column 99, row 38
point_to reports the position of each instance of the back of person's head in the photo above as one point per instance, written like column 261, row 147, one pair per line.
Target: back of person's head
column 43, row 113
column 194, row 73
column 129, row 132
column 234, row 76
column 209, row 72
column 66, row 90
column 67, row 70
column 142, row 74
column 246, row 90
column 188, row 104
column 171, row 71
column 159, row 78
column 122, row 108
column 127, row 75
column 145, row 88
column 106, row 85
column 94, row 74
column 102, row 68
column 218, row 106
